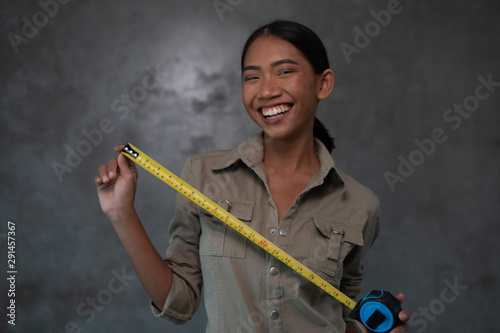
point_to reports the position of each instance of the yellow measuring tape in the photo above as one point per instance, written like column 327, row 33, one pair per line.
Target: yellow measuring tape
column 204, row 202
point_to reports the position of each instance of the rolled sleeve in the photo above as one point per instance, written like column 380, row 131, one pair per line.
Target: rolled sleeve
column 177, row 308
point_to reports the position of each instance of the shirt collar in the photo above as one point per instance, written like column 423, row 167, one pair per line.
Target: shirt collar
column 251, row 152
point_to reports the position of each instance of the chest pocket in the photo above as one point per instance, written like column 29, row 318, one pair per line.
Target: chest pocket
column 219, row 239
column 331, row 242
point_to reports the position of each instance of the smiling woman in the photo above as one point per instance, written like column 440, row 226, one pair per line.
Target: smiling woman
column 283, row 183
column 307, row 53
column 281, row 89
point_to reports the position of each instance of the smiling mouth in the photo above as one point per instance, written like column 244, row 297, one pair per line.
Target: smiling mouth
column 275, row 111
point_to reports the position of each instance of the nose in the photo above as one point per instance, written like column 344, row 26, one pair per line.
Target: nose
column 269, row 88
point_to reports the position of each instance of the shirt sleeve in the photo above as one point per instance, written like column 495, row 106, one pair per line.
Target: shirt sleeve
column 183, row 258
column 354, row 269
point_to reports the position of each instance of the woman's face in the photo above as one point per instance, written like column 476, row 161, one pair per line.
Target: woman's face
column 280, row 88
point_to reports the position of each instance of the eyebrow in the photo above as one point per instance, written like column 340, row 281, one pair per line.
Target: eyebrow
column 274, row 64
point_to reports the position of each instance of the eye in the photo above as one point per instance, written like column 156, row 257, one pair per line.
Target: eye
column 250, row 78
column 285, row 72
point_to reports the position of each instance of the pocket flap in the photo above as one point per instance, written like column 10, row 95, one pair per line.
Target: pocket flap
column 241, row 209
column 329, row 227
column 354, row 235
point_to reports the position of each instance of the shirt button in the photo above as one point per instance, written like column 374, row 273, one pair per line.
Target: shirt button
column 283, row 232
column 272, row 231
column 274, row 271
column 274, row 314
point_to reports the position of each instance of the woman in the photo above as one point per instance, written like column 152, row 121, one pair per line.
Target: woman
column 283, row 183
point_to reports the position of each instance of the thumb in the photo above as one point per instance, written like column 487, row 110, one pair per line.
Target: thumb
column 126, row 165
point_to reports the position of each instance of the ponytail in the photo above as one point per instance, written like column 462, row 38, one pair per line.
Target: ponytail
column 320, row 132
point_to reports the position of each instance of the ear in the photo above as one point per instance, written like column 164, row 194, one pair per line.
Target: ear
column 327, row 81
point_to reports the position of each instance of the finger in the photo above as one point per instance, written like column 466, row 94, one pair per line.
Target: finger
column 119, row 148
column 131, row 164
column 112, row 168
column 103, row 173
column 127, row 166
column 98, row 180
column 404, row 315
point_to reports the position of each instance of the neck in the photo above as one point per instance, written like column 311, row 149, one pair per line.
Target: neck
column 291, row 156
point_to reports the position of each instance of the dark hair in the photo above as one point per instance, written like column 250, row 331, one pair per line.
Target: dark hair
column 306, row 41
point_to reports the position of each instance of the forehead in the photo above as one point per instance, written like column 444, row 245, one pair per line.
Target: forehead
column 268, row 49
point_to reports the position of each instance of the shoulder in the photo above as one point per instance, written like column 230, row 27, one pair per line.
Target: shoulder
column 202, row 164
column 220, row 159
column 208, row 159
column 201, row 168
column 359, row 194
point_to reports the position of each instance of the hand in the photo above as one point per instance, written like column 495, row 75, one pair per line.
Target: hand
column 403, row 315
column 116, row 185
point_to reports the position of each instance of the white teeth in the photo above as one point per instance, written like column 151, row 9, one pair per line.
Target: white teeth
column 269, row 112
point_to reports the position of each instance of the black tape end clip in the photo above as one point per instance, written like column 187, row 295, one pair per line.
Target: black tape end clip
column 130, row 151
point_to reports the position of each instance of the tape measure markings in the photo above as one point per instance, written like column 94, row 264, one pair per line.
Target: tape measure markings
column 206, row 203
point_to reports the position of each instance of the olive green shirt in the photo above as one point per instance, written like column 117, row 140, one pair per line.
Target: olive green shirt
column 328, row 228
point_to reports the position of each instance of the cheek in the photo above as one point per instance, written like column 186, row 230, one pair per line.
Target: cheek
column 303, row 91
column 297, row 86
column 247, row 97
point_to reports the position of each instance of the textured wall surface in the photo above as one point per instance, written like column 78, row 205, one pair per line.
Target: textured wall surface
column 415, row 112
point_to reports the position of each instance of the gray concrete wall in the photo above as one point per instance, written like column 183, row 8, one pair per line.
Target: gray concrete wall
column 66, row 71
